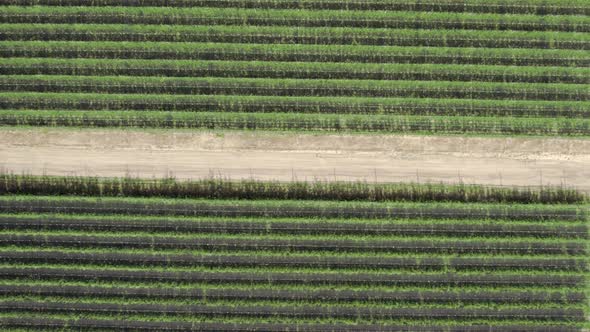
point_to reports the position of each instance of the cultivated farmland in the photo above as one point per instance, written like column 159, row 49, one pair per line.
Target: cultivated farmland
column 125, row 254
column 447, row 67
column 308, row 78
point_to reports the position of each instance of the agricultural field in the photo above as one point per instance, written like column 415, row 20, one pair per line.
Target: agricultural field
column 125, row 254
column 395, row 66
column 201, row 85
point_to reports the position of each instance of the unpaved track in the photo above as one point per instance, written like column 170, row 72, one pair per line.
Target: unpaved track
column 383, row 158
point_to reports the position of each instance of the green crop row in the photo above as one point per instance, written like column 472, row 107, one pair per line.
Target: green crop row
column 302, row 278
column 555, row 295
column 295, row 53
column 223, row 253
column 307, row 88
column 269, row 243
column 557, row 7
column 298, row 17
column 301, row 314
column 549, row 231
column 296, row 35
column 19, row 322
column 295, row 225
column 34, row 322
column 292, row 105
column 301, row 122
column 286, row 293
column 280, row 208
column 302, row 70
column 296, row 235
column 251, row 189
column 261, row 262
column 89, row 295
column 294, row 277
column 284, row 104
column 315, row 245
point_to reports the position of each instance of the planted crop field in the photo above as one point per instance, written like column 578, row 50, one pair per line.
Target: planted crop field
column 123, row 254
column 401, row 66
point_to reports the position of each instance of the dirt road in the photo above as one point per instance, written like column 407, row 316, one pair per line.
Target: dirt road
column 383, row 158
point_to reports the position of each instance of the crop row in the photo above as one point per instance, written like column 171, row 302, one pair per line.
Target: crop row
column 295, row 35
column 301, row 122
column 215, row 188
column 286, row 209
column 283, row 295
column 379, row 108
column 245, row 244
column 295, row 53
column 294, row 261
column 291, row 278
column 307, row 88
column 487, row 229
column 299, row 17
column 298, row 312
column 555, row 7
column 134, row 326
column 307, row 70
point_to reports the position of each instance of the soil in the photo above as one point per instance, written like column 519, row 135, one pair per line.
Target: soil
column 285, row 157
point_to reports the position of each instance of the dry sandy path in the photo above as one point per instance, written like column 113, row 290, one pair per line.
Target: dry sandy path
column 383, row 158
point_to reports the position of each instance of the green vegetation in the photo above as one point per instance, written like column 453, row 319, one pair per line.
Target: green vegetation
column 100, row 102
column 296, row 35
column 297, row 52
column 559, row 7
column 121, row 254
column 425, row 92
column 215, row 255
column 299, row 122
column 299, row 17
column 399, row 65
column 251, row 189
column 294, row 70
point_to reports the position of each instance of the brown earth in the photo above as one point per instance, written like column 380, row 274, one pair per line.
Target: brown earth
column 280, row 156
